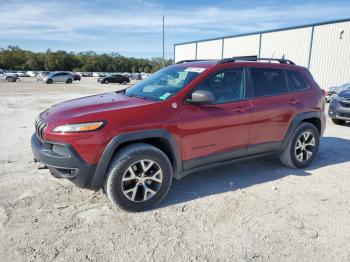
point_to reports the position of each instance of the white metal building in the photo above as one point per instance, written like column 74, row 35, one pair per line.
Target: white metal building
column 324, row 48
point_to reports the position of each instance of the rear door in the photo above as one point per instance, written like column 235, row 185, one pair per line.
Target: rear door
column 272, row 109
column 218, row 131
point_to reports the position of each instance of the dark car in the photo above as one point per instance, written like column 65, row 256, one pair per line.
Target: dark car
column 120, row 79
column 76, row 77
column 183, row 118
column 335, row 90
column 339, row 108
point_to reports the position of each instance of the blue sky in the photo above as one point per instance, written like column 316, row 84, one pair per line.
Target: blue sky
column 134, row 27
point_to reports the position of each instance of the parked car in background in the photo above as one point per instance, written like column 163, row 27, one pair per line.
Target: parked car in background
column 335, row 90
column 145, row 75
column 59, row 77
column 136, row 76
column 116, row 78
column 41, row 75
column 339, row 108
column 182, row 119
column 32, row 73
column 10, row 77
column 20, row 73
column 76, row 77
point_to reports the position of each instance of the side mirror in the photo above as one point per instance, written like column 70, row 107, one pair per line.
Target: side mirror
column 201, row 97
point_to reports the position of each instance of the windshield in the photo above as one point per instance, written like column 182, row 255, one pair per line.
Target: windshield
column 165, row 83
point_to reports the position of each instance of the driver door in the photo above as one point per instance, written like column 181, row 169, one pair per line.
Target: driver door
column 218, row 131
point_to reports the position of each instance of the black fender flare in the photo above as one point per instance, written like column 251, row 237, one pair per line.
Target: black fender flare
column 294, row 124
column 102, row 167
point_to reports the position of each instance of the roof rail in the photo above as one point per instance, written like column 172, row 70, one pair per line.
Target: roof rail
column 253, row 58
column 194, row 60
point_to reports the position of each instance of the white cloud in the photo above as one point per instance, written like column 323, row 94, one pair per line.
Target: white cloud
column 133, row 23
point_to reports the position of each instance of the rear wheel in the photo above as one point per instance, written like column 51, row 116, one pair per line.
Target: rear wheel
column 338, row 121
column 302, row 147
column 139, row 177
column 49, row 81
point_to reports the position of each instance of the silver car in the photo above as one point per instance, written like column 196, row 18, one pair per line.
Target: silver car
column 59, row 77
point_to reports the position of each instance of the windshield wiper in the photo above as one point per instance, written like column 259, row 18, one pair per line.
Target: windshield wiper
column 137, row 96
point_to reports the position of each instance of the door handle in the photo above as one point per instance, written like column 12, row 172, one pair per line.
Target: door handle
column 241, row 109
column 293, row 101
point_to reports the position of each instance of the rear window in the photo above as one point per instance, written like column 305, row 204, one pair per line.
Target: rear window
column 268, row 82
column 296, row 81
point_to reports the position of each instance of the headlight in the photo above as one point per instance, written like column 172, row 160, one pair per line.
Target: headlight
column 83, row 127
column 336, row 98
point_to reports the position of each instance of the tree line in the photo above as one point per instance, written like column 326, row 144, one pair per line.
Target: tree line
column 15, row 58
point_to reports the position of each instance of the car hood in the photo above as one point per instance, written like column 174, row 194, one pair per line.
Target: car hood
column 345, row 94
column 90, row 108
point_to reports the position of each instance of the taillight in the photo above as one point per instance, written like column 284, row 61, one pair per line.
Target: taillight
column 324, row 92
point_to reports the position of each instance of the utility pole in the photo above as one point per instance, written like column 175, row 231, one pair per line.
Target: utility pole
column 163, row 42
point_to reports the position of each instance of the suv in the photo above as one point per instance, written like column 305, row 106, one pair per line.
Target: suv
column 186, row 117
column 10, row 77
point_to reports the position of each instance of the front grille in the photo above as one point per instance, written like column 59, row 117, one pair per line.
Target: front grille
column 345, row 115
column 40, row 126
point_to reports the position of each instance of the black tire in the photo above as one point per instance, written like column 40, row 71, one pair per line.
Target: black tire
column 289, row 154
column 106, row 82
column 126, row 159
column 11, row 79
column 338, row 121
column 49, row 81
column 69, row 81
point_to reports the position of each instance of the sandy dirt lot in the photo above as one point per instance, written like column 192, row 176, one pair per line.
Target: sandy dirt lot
column 249, row 211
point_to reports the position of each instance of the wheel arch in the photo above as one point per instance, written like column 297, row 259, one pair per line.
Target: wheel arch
column 313, row 118
column 159, row 138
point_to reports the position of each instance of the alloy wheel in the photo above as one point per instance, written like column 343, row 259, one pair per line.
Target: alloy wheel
column 142, row 180
column 304, row 147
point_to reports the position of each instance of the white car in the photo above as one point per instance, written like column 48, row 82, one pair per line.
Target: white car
column 32, row 73
column 59, row 77
column 10, row 77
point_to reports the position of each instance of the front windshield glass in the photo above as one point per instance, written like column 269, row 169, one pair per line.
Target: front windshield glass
column 165, row 83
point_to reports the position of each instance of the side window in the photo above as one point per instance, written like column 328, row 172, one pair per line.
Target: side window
column 226, row 86
column 268, row 82
column 296, row 81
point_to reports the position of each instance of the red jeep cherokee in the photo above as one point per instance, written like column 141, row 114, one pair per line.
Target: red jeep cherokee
column 185, row 117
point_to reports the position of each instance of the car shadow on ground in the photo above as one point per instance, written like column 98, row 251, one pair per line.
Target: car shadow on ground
column 247, row 173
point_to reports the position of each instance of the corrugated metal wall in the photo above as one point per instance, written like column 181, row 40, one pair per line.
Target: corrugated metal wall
column 242, row 46
column 321, row 47
column 330, row 56
column 183, row 52
column 290, row 44
column 209, row 49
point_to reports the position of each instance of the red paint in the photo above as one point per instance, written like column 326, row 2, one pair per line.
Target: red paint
column 198, row 129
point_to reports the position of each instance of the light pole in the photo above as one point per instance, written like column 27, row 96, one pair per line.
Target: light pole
column 163, row 42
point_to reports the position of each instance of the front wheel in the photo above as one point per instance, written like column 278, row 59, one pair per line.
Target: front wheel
column 69, row 81
column 139, row 177
column 302, row 147
column 338, row 121
column 11, row 79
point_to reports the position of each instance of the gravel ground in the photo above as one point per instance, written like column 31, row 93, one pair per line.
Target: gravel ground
column 260, row 211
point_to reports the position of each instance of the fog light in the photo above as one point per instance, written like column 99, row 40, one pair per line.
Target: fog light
column 60, row 150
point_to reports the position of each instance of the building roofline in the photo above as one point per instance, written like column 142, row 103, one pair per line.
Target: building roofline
column 267, row 31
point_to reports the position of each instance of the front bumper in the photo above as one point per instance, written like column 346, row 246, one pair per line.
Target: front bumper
column 338, row 111
column 63, row 161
